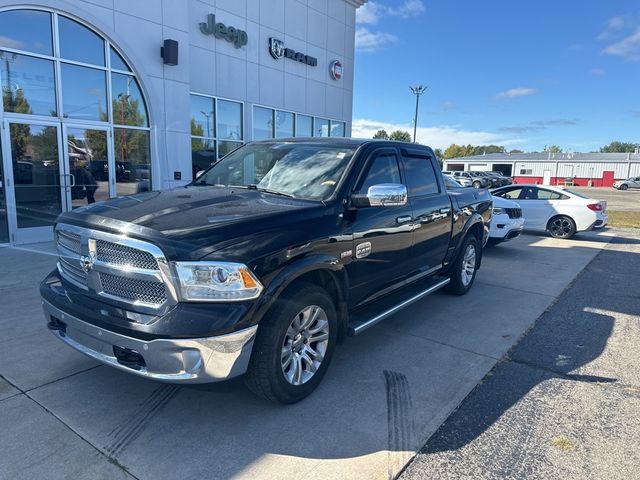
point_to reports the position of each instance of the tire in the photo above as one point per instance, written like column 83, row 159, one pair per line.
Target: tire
column 464, row 268
column 561, row 226
column 267, row 376
column 477, row 184
column 624, row 186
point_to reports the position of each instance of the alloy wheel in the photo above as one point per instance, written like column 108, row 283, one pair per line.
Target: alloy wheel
column 468, row 265
column 561, row 227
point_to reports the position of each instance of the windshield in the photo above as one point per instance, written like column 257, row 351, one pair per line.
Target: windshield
column 300, row 170
column 450, row 182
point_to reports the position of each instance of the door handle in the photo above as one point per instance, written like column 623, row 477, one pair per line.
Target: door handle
column 445, row 210
column 403, row 219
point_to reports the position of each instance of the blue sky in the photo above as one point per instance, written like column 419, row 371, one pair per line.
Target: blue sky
column 524, row 74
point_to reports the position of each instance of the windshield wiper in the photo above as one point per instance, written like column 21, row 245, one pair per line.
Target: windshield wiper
column 266, row 190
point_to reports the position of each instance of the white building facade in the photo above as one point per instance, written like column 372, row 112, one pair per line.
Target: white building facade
column 103, row 98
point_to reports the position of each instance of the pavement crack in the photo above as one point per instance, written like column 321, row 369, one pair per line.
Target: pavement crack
column 63, row 378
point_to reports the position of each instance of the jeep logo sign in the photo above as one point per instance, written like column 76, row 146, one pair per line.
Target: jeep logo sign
column 278, row 50
column 238, row 37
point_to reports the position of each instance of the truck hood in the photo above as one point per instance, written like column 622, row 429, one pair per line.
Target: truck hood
column 191, row 222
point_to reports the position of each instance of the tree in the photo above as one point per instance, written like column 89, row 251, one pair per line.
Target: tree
column 620, row 147
column 381, row 134
column 400, row 135
column 515, row 150
column 553, row 149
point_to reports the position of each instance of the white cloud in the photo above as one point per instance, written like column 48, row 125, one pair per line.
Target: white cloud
column 517, row 92
column 368, row 41
column 409, row 8
column 11, row 43
column 435, row 137
column 613, row 24
column 369, row 14
column 598, row 72
column 627, row 48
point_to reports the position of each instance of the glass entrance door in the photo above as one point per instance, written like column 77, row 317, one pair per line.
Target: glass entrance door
column 87, row 163
column 32, row 154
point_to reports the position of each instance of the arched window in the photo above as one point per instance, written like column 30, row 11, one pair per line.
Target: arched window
column 53, row 67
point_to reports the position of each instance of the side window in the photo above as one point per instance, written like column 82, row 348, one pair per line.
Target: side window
column 549, row 195
column 421, row 179
column 511, row 193
column 382, row 169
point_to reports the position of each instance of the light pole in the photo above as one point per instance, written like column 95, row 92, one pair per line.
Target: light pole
column 417, row 91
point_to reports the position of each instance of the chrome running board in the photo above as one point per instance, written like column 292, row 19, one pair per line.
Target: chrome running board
column 358, row 326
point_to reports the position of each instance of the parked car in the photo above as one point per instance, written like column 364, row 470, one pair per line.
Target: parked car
column 463, row 181
column 506, row 179
column 633, row 182
column 494, row 180
column 477, row 181
column 558, row 211
column 232, row 276
column 507, row 221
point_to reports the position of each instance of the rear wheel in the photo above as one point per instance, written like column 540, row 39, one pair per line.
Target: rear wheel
column 561, row 227
column 477, row 184
column 624, row 186
column 294, row 345
column 464, row 268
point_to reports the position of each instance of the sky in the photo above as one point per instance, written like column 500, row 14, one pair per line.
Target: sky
column 520, row 73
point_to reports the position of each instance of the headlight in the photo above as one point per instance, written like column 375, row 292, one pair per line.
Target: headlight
column 217, row 282
column 498, row 211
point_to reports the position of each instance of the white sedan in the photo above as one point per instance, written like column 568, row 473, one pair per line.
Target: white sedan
column 560, row 212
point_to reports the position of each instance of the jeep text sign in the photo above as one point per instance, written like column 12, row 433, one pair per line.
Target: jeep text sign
column 219, row 30
column 278, row 50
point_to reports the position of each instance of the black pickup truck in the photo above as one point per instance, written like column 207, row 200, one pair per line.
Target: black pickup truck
column 263, row 263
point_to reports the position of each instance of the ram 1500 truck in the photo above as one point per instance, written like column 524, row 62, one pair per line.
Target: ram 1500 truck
column 263, row 263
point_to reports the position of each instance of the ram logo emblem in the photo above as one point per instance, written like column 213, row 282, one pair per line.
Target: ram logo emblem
column 363, row 250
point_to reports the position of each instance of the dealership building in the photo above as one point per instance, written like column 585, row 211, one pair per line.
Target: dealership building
column 583, row 169
column 103, row 98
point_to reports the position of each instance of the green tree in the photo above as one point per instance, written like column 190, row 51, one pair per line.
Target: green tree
column 381, row 134
column 553, row 149
column 620, row 147
column 400, row 135
column 515, row 150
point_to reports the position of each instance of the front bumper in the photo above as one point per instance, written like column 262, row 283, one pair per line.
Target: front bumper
column 504, row 228
column 197, row 360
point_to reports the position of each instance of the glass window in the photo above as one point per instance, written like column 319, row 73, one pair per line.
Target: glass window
column 36, row 174
column 4, row 225
column 117, row 61
column 321, row 128
column 549, row 195
column 510, row 193
column 79, row 43
column 296, row 169
column 383, row 169
column 421, row 179
column 27, row 30
column 133, row 162
column 229, row 120
column 84, row 93
column 284, row 124
column 28, row 84
column 304, row 126
column 202, row 116
column 203, row 154
column 127, row 102
column 337, row 129
column 262, row 123
column 226, row 147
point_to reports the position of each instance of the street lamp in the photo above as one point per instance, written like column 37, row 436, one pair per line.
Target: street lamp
column 417, row 91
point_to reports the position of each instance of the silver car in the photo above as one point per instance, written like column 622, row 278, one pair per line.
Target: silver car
column 633, row 182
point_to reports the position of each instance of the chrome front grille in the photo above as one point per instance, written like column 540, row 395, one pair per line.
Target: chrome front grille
column 133, row 289
column 121, row 269
column 109, row 252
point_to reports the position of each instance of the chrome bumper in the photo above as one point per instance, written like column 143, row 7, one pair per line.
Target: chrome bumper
column 197, row 360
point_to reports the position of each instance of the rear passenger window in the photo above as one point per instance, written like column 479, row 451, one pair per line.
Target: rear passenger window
column 382, row 169
column 549, row 195
column 421, row 178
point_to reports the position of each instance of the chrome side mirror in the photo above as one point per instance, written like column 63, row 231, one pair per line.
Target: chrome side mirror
column 382, row 195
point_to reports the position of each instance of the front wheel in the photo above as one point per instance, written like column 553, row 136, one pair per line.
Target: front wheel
column 477, row 184
column 624, row 186
column 294, row 345
column 561, row 227
column 464, row 268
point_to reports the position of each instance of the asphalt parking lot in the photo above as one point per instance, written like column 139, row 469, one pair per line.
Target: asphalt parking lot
column 387, row 392
column 627, row 200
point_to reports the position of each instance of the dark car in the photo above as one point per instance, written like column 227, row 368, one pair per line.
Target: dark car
column 263, row 263
column 493, row 180
column 477, row 181
column 505, row 179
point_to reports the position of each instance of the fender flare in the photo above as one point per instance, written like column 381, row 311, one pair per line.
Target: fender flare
column 472, row 221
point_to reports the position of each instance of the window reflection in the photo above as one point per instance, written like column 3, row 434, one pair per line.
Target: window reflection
column 27, row 30
column 133, row 162
column 337, row 129
column 79, row 43
column 203, row 154
column 117, row 61
column 202, row 116
column 321, row 128
column 262, row 123
column 127, row 102
column 225, row 147
column 304, row 126
column 229, row 120
column 28, row 84
column 284, row 124
column 84, row 93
